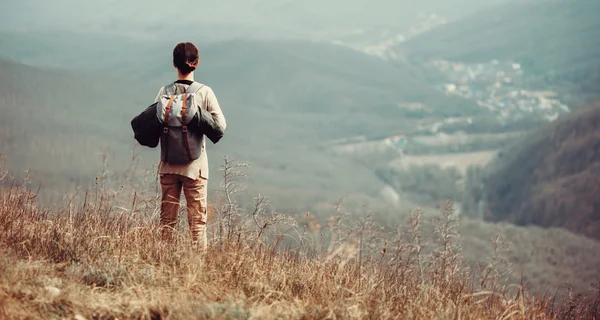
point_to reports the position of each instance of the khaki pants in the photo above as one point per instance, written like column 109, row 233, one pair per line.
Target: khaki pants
column 195, row 196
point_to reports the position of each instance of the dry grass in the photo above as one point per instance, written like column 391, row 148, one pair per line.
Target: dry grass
column 100, row 258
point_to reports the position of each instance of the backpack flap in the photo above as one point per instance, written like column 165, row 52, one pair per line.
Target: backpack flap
column 176, row 105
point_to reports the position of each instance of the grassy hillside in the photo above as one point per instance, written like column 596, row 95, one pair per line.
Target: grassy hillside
column 101, row 258
column 554, row 40
column 551, row 178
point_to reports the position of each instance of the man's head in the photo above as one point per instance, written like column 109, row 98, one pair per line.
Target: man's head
column 185, row 57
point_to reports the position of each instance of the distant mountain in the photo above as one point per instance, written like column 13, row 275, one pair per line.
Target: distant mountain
column 287, row 75
column 551, row 179
column 555, row 41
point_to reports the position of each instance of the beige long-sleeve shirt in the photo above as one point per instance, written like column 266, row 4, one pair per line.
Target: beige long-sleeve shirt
column 199, row 167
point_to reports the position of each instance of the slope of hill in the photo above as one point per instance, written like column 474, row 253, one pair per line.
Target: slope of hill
column 555, row 40
column 56, row 122
column 551, row 178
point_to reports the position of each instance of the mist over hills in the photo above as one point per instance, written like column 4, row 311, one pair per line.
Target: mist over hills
column 251, row 18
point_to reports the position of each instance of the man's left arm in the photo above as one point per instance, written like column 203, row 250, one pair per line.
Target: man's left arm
column 212, row 121
column 212, row 105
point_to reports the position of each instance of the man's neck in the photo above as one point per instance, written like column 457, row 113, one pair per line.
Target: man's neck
column 189, row 76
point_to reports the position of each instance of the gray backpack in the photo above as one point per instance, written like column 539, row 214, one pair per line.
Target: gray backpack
column 180, row 141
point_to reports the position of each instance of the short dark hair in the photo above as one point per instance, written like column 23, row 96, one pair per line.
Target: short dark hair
column 185, row 57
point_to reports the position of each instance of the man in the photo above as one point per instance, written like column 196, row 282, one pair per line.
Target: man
column 192, row 177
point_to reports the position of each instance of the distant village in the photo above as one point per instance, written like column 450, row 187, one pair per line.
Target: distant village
column 494, row 86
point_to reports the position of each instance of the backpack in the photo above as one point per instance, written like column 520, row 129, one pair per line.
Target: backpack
column 177, row 112
column 148, row 129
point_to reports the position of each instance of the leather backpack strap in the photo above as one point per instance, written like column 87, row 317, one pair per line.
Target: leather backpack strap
column 168, row 111
column 165, row 126
column 184, row 127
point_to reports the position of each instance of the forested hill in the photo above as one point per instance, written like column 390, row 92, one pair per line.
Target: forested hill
column 551, row 179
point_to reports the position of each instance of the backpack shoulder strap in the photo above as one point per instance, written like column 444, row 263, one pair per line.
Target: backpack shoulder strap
column 195, row 87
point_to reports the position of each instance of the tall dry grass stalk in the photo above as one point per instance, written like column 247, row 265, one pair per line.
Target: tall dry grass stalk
column 101, row 258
